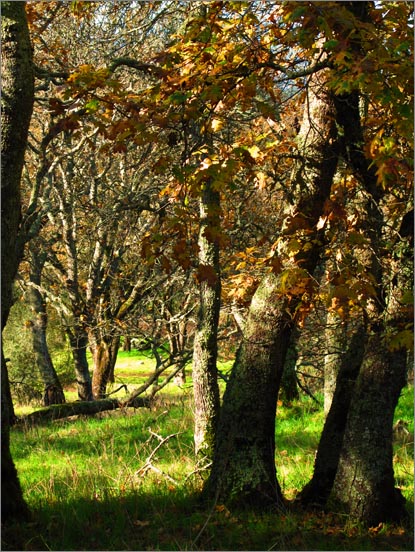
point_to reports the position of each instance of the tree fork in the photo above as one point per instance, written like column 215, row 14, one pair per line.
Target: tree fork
column 317, row 491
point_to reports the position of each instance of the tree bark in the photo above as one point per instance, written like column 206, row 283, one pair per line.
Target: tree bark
column 336, row 345
column 79, row 343
column 16, row 110
column 13, row 505
column 104, row 350
column 127, row 344
column 289, row 388
column 7, row 396
column 364, row 485
column 205, row 352
column 53, row 392
column 243, row 470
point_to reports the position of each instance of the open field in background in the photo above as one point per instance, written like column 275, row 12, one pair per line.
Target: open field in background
column 98, row 483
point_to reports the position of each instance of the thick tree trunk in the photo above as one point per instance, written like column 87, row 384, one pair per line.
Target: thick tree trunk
column 364, row 484
column 16, row 110
column 53, row 392
column 348, row 362
column 79, row 343
column 243, row 470
column 204, row 369
column 104, row 350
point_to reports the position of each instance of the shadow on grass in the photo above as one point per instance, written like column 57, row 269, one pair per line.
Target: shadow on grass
column 175, row 521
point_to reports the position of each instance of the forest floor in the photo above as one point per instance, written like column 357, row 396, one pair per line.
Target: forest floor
column 128, row 480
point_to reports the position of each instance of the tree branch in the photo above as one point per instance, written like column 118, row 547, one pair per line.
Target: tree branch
column 148, row 68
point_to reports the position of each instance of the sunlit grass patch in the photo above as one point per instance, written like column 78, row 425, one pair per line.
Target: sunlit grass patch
column 106, row 478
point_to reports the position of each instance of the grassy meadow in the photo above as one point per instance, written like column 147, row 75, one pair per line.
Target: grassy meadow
column 128, row 480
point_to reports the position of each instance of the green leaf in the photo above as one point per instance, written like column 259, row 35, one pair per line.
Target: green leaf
column 330, row 44
column 92, row 106
column 178, row 97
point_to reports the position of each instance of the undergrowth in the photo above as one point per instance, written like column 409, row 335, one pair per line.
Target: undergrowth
column 128, row 480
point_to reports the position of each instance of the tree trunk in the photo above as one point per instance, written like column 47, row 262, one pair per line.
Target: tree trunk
column 7, row 395
column 126, row 344
column 243, row 470
column 364, row 486
column 13, row 505
column 104, row 350
column 348, row 362
column 79, row 342
column 204, row 369
column 53, row 392
column 16, row 110
column 336, row 345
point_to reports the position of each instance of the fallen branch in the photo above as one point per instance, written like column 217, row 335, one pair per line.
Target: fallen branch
column 87, row 408
column 199, row 469
column 149, row 465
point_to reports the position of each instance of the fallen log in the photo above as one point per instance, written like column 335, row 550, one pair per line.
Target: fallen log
column 87, row 408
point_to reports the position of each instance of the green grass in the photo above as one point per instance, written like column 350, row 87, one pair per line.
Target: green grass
column 94, row 484
column 297, row 436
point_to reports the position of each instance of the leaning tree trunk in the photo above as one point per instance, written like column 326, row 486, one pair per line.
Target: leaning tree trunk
column 243, row 470
column 16, row 110
column 348, row 362
column 79, row 342
column 104, row 351
column 53, row 392
column 205, row 351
